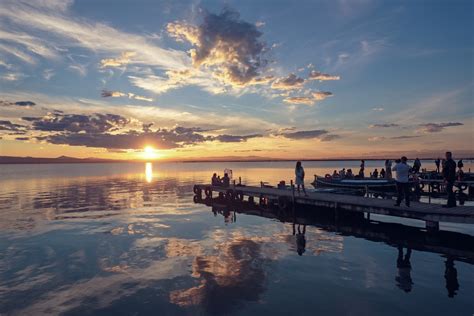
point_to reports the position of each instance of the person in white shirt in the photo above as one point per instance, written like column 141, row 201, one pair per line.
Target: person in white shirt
column 299, row 177
column 403, row 186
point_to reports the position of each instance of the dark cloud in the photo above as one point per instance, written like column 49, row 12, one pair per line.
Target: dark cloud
column 9, row 126
column 160, row 138
column 384, row 125
column 405, row 137
column 234, row 138
column 290, row 82
column 25, row 103
column 231, row 46
column 320, row 134
column 17, row 103
column 437, row 127
column 96, row 123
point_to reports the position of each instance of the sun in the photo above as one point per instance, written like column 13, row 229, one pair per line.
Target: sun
column 150, row 153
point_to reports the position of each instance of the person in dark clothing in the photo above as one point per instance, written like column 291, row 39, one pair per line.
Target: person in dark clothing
column 437, row 163
column 226, row 180
column 460, row 164
column 416, row 165
column 449, row 175
column 375, row 174
column 451, row 277
column 404, row 280
column 382, row 173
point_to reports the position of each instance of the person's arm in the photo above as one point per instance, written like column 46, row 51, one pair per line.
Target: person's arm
column 394, row 168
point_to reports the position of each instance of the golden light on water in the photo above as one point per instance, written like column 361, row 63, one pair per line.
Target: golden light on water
column 148, row 172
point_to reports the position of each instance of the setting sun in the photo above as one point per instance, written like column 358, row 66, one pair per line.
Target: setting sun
column 150, row 153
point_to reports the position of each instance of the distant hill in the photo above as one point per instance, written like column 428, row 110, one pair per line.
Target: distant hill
column 61, row 159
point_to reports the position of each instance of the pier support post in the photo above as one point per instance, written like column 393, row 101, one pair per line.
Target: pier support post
column 432, row 226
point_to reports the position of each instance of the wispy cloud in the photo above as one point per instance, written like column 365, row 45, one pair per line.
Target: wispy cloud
column 436, row 127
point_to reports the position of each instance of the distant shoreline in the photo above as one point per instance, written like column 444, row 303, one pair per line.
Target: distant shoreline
column 9, row 160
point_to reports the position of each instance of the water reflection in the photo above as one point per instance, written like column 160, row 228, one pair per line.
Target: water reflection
column 454, row 246
column 148, row 172
column 109, row 241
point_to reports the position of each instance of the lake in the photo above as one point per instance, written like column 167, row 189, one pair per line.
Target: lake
column 128, row 239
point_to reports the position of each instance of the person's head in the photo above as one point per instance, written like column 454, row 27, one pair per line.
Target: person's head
column 449, row 155
column 226, row 175
column 404, row 159
column 343, row 169
column 298, row 164
column 386, row 161
column 375, row 169
column 214, row 175
column 362, row 160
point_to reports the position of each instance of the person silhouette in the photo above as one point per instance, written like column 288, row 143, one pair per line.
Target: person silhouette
column 451, row 276
column 300, row 239
column 403, row 280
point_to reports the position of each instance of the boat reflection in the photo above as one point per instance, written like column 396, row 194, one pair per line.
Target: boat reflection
column 453, row 246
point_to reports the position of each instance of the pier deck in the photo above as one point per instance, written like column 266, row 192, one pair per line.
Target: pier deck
column 432, row 214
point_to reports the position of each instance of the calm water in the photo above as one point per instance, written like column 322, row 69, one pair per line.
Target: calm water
column 127, row 239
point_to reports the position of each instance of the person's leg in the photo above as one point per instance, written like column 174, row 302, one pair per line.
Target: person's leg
column 304, row 191
column 406, row 189
column 451, row 196
column 298, row 188
column 399, row 193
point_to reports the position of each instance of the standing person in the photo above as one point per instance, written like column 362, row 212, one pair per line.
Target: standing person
column 403, row 186
column 437, row 163
column 362, row 168
column 388, row 169
column 299, row 177
column 449, row 175
column 417, row 165
column 460, row 164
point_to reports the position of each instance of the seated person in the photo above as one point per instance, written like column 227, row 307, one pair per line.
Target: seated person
column 214, row 180
column 382, row 173
column 349, row 174
column 342, row 173
column 375, row 174
column 226, row 180
column 335, row 174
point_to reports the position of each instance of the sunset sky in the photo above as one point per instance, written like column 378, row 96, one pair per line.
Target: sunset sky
column 197, row 79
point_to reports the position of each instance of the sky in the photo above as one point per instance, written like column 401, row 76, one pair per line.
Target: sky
column 203, row 79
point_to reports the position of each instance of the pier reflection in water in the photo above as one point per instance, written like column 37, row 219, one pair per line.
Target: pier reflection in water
column 450, row 245
column 128, row 239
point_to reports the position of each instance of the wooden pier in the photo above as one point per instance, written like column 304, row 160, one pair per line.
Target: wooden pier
column 432, row 214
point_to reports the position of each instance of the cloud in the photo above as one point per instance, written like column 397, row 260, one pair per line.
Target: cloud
column 436, row 127
column 234, row 138
column 224, row 43
column 122, row 60
column 68, row 31
column 384, row 125
column 380, row 109
column 77, row 123
column 405, row 137
column 320, row 134
column 290, row 82
column 18, row 103
column 308, row 100
column 9, row 126
column 316, row 75
column 118, row 94
column 376, row 138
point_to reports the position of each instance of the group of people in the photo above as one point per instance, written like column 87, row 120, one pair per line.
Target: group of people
column 403, row 170
column 218, row 181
